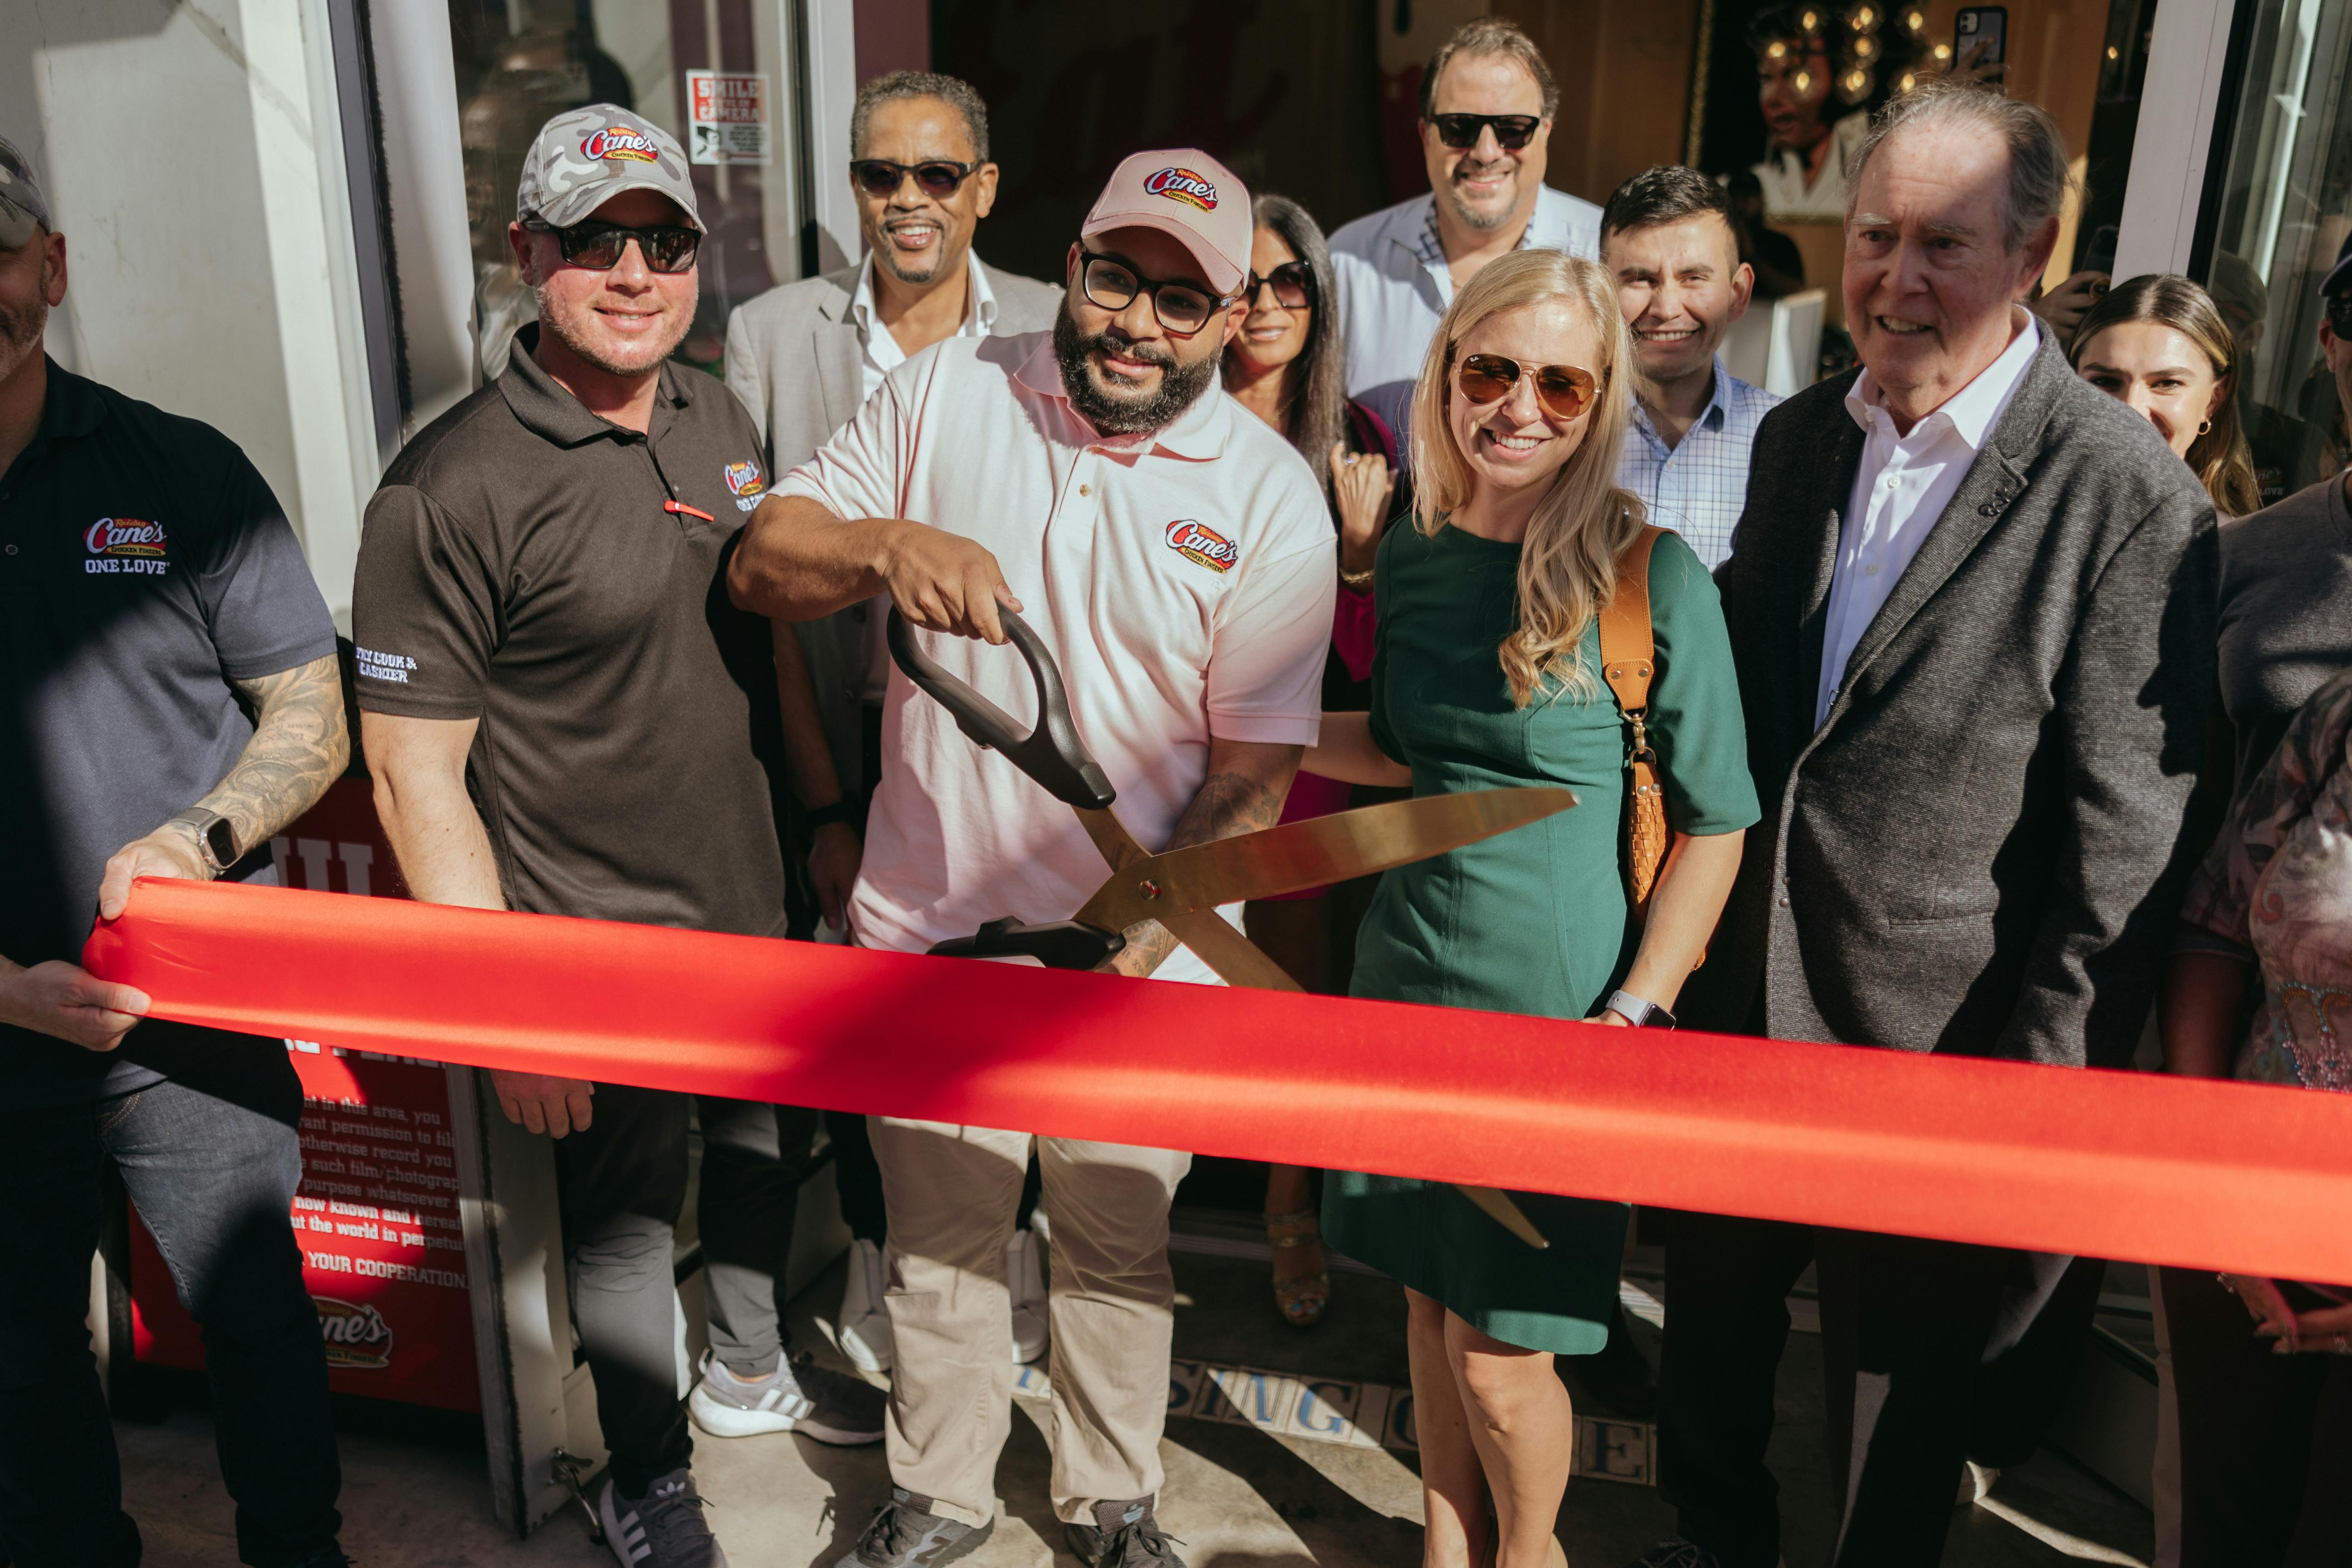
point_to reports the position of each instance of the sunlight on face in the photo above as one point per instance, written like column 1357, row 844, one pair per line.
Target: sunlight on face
column 2164, row 377
column 1513, row 443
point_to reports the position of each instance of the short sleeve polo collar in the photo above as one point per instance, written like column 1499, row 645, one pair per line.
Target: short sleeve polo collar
column 70, row 408
column 546, row 409
column 1198, row 435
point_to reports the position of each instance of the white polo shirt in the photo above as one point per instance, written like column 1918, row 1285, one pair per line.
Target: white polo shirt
column 1183, row 580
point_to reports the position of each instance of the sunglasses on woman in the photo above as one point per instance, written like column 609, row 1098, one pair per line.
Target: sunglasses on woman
column 1112, row 285
column 1512, row 132
column 1564, row 390
column 1293, row 283
column 937, row 179
column 599, row 247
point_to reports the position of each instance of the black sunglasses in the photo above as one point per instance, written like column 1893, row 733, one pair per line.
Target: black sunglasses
column 1512, row 132
column 2339, row 306
column 1293, row 283
column 937, row 178
column 599, row 247
column 1112, row 285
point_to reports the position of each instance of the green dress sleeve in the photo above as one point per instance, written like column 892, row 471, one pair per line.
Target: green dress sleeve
column 1696, row 722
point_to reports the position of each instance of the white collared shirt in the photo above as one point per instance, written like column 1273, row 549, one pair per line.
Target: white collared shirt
column 882, row 356
column 1394, row 286
column 1782, row 174
column 1698, row 486
column 1182, row 579
column 1902, row 487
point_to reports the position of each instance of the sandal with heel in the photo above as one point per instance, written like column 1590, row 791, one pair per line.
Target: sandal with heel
column 1302, row 1301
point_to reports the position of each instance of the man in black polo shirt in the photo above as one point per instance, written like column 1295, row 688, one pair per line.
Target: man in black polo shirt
column 152, row 595
column 564, row 714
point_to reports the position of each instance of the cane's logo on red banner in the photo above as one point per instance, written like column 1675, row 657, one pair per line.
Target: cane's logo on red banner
column 1183, row 186
column 124, row 544
column 355, row 1335
column 1202, row 546
column 620, row 142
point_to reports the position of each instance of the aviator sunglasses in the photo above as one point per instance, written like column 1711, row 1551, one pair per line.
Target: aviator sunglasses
column 1565, row 391
column 1293, row 283
column 936, row 178
column 1512, row 132
column 599, row 247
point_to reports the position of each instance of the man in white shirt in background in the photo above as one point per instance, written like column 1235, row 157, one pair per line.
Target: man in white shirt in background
column 920, row 171
column 1174, row 553
column 1487, row 107
column 1666, row 237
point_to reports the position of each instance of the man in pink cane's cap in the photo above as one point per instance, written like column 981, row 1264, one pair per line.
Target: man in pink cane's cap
column 1173, row 553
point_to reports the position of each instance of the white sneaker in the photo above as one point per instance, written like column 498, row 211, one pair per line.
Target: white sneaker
column 830, row 1406
column 1024, row 1275
column 864, row 1331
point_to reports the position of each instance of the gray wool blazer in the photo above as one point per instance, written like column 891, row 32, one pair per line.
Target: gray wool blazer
column 1982, row 848
column 794, row 358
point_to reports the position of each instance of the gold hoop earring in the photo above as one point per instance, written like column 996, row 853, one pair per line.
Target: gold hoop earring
column 2208, row 425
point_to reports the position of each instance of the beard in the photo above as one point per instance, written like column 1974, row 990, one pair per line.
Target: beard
column 572, row 328
column 1180, row 386
column 1471, row 216
column 20, row 331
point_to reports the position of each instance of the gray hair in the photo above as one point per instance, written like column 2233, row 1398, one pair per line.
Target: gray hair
column 953, row 91
column 2038, row 177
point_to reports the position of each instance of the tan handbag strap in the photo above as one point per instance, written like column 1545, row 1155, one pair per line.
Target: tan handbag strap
column 1628, row 647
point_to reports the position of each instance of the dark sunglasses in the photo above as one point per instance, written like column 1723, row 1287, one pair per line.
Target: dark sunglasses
column 938, row 179
column 599, row 247
column 2339, row 312
column 1293, row 283
column 1512, row 132
column 1183, row 307
column 1564, row 390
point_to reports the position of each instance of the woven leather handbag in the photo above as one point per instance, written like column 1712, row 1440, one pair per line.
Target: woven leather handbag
column 1628, row 659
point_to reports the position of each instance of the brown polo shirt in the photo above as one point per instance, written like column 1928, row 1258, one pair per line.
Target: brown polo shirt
column 562, row 580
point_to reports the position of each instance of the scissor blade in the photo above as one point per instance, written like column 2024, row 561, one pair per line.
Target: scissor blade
column 1309, row 854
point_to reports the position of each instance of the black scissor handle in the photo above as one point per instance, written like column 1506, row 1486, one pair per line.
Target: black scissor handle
column 1051, row 753
column 1059, row 945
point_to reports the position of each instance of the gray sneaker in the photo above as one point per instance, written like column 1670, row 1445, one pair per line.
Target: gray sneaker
column 663, row 1528
column 905, row 1533
column 830, row 1406
column 1124, row 1535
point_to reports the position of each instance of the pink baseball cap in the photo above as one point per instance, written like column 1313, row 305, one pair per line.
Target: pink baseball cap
column 1185, row 193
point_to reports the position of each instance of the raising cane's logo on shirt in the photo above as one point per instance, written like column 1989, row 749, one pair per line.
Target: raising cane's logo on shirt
column 1202, row 546
column 748, row 483
column 620, row 142
column 124, row 544
column 1183, row 186
column 356, row 1335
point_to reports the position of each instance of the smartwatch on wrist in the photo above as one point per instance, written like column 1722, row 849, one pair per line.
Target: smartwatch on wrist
column 1640, row 1014
column 215, row 838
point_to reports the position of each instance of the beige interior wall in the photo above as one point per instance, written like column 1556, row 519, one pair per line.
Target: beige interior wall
column 1624, row 70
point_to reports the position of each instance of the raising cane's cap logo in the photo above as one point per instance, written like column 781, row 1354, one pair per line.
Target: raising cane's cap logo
column 744, row 479
column 1183, row 186
column 355, row 1335
column 1202, row 546
column 124, row 536
column 619, row 142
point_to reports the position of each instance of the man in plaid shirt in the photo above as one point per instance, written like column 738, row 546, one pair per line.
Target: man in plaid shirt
column 1667, row 237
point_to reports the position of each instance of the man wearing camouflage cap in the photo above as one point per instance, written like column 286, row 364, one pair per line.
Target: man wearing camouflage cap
column 563, row 715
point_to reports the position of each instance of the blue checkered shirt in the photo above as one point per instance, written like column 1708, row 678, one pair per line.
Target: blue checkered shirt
column 1698, row 488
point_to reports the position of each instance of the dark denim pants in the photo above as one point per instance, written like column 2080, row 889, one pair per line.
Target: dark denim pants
column 212, row 1163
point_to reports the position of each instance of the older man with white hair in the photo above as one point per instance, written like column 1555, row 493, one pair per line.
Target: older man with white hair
column 1971, row 602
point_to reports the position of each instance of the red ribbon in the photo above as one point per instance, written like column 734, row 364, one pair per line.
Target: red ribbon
column 2218, row 1175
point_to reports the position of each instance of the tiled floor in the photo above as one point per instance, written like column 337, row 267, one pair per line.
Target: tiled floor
column 1239, row 1496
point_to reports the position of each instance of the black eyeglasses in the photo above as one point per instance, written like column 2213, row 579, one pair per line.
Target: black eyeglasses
column 599, row 247
column 1293, row 283
column 1183, row 307
column 1512, row 132
column 938, row 179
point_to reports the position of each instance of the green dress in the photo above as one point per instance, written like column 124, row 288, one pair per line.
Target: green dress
column 1531, row 921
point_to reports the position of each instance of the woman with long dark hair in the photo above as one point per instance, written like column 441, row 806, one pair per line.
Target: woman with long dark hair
column 1284, row 366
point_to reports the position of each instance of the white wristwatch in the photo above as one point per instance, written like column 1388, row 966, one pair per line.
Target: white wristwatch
column 1640, row 1014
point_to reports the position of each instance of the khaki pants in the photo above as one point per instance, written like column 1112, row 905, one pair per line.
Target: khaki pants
column 951, row 1193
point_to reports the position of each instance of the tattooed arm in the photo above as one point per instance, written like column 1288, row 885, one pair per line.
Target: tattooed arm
column 300, row 744
column 1246, row 782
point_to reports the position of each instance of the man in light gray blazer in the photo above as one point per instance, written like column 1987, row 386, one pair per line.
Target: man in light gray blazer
column 803, row 358
column 1972, row 604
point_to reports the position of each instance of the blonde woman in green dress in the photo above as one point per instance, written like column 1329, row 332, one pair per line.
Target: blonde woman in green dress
column 1486, row 674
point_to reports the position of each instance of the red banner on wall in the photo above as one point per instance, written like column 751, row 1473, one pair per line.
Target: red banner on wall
column 383, row 1254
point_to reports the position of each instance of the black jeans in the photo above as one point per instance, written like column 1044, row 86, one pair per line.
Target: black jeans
column 212, row 1163
column 624, row 1189
column 2265, row 1439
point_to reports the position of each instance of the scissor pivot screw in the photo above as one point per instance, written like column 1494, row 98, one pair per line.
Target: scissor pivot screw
column 1150, row 889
